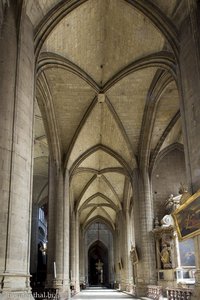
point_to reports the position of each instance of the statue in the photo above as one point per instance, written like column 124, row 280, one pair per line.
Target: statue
column 165, row 257
column 99, row 267
column 133, row 255
column 183, row 191
column 172, row 203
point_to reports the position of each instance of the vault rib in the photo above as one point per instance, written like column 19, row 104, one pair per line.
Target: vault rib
column 161, row 80
column 52, row 60
column 164, row 60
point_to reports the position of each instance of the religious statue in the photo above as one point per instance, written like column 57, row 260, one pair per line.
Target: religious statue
column 166, row 257
column 99, row 267
column 183, row 191
column 133, row 255
column 172, row 203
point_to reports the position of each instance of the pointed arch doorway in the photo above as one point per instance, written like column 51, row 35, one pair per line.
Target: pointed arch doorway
column 98, row 265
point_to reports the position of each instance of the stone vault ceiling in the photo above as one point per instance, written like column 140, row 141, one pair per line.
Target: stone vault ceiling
column 101, row 40
column 106, row 88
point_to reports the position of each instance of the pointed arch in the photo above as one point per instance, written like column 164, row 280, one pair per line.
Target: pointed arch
column 160, row 82
column 50, row 60
column 45, row 103
column 99, row 219
column 147, row 8
column 100, row 194
column 165, row 151
column 100, row 172
column 163, row 137
column 116, row 208
column 164, row 60
column 107, row 150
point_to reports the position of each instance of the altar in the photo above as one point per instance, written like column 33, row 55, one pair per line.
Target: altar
column 175, row 259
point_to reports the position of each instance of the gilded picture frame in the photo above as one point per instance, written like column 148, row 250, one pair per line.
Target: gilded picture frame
column 187, row 217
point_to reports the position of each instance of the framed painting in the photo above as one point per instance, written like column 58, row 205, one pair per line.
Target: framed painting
column 187, row 217
column 187, row 254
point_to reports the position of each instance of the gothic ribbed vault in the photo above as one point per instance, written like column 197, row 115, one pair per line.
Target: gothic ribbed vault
column 108, row 99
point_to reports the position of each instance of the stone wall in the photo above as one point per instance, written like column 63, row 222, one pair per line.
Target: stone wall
column 166, row 179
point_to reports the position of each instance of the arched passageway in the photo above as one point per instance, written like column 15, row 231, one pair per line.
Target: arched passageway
column 98, row 264
column 99, row 103
column 98, row 259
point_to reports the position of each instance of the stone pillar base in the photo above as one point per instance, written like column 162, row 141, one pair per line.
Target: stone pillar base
column 15, row 286
column 8, row 295
column 141, row 289
column 77, row 288
column 64, row 295
column 63, row 289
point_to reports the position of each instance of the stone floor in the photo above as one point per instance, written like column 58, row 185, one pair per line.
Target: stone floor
column 104, row 294
column 100, row 293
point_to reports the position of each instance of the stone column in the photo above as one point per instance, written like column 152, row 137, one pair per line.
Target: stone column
column 66, row 236
column 190, row 104
column 72, row 249
column 146, row 267
column 82, row 258
column 117, row 249
column 58, row 281
column 124, row 251
column 16, row 144
column 190, row 91
column 129, row 266
column 51, row 222
column 58, row 232
column 111, row 261
column 34, row 240
column 86, row 258
column 61, row 282
column 77, row 279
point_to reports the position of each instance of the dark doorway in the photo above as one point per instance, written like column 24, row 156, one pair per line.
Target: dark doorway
column 98, row 274
column 41, row 266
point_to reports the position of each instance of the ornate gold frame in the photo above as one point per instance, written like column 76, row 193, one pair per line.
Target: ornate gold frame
column 187, row 217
